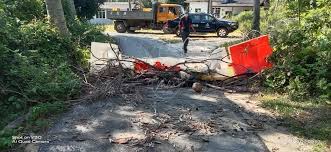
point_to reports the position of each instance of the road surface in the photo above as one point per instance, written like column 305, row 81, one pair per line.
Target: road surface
column 159, row 120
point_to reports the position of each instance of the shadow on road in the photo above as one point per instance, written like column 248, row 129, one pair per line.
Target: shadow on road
column 164, row 120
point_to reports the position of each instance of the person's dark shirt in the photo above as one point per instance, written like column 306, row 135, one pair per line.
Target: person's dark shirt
column 186, row 23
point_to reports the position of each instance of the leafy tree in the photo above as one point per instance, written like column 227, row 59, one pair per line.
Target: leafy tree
column 302, row 56
column 56, row 15
column 72, row 8
column 25, row 10
column 69, row 9
column 86, row 9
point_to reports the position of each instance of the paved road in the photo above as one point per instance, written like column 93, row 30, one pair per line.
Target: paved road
column 152, row 45
column 172, row 120
column 158, row 120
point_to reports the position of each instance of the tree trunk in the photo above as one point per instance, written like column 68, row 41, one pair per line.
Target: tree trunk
column 130, row 8
column 56, row 15
column 256, row 18
column 72, row 8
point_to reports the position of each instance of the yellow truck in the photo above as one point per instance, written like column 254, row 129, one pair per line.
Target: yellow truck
column 146, row 18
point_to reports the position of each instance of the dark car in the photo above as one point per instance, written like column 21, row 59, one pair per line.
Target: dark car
column 204, row 23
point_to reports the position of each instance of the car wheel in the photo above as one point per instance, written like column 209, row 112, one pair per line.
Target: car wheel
column 178, row 32
column 120, row 27
column 222, row 32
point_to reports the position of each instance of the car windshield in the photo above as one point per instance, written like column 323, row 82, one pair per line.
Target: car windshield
column 207, row 18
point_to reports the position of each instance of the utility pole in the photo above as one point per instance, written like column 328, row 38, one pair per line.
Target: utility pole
column 256, row 17
column 210, row 7
column 130, row 8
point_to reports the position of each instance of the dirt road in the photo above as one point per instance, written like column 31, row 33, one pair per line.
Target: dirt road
column 158, row 120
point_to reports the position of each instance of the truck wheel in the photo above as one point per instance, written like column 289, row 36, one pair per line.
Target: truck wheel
column 120, row 27
column 222, row 32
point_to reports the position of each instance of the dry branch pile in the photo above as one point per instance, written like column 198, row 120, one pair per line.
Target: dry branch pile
column 123, row 75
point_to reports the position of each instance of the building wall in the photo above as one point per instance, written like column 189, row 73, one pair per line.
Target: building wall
column 123, row 6
column 237, row 10
column 203, row 6
column 233, row 10
column 108, row 6
column 218, row 11
column 100, row 21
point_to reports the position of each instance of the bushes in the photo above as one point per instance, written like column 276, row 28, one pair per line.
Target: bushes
column 302, row 56
column 36, row 69
column 37, row 66
column 302, row 52
column 82, row 35
column 25, row 10
column 302, row 64
column 245, row 21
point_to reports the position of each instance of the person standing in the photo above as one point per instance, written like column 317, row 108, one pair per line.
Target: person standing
column 185, row 25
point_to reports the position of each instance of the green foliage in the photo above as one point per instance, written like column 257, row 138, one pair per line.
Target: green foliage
column 86, row 9
column 45, row 110
column 6, row 138
column 245, row 21
column 36, row 68
column 39, row 114
column 37, row 65
column 66, row 10
column 25, row 10
column 86, row 33
column 83, row 34
column 302, row 54
column 37, row 121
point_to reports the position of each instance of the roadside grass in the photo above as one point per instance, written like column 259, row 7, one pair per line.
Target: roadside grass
column 236, row 33
column 108, row 27
column 38, row 119
column 308, row 119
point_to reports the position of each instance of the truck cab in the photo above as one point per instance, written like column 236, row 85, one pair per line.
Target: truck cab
column 167, row 12
column 148, row 18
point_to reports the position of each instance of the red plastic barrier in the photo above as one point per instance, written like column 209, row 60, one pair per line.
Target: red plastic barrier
column 160, row 66
column 251, row 56
column 141, row 67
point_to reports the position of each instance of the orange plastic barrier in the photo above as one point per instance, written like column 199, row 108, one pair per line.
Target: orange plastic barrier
column 141, row 67
column 251, row 56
